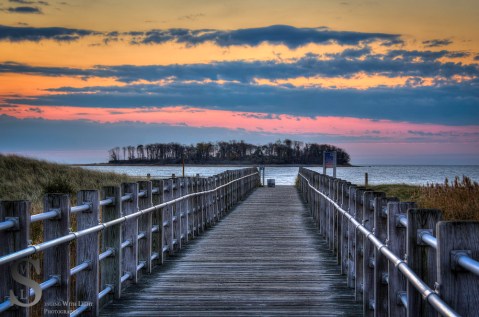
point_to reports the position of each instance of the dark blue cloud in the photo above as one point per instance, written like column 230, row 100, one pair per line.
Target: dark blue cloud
column 437, row 43
column 345, row 64
column 453, row 104
column 17, row 34
column 287, row 35
column 29, row 2
column 24, row 10
column 476, row 58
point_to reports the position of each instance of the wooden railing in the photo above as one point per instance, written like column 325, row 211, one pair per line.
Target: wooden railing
column 118, row 235
column 400, row 260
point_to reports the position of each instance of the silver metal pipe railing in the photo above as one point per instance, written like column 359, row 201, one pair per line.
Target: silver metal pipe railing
column 427, row 293
column 75, row 235
column 10, row 223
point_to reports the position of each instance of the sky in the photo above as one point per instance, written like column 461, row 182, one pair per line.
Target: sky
column 390, row 82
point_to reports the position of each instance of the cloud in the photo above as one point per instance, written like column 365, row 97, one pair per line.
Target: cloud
column 29, row 2
column 39, row 134
column 192, row 17
column 289, row 36
column 437, row 43
column 348, row 63
column 24, row 10
column 476, row 58
column 453, row 104
column 17, row 34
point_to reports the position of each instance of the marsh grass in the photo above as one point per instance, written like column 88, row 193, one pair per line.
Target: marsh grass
column 402, row 191
column 459, row 199
column 28, row 179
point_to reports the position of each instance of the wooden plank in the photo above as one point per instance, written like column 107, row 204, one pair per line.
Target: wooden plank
column 87, row 249
column 157, row 237
column 111, row 239
column 344, row 228
column 381, row 298
column 368, row 256
column 130, row 233
column 145, row 225
column 15, row 239
column 56, row 260
column 265, row 258
column 421, row 258
column 397, row 244
column 359, row 249
column 457, row 286
column 351, row 239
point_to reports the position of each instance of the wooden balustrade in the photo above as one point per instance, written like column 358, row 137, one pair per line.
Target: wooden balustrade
column 120, row 234
column 417, row 237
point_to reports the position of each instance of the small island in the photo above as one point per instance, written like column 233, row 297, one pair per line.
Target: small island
column 232, row 152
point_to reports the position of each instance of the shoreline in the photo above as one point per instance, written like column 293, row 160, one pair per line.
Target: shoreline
column 211, row 165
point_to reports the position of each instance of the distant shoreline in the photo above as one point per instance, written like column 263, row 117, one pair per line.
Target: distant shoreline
column 210, row 165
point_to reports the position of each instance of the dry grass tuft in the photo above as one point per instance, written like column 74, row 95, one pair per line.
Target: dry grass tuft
column 459, row 200
column 28, row 179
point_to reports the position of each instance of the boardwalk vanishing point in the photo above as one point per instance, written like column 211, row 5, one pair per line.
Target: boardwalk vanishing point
column 264, row 258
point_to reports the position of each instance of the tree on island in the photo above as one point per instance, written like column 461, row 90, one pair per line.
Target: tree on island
column 279, row 152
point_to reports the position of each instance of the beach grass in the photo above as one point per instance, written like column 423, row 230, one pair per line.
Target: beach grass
column 458, row 200
column 24, row 178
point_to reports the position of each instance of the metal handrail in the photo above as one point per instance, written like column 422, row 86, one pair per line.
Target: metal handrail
column 427, row 293
column 102, row 226
column 9, row 223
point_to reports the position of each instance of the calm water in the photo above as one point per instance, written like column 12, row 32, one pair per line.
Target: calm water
column 379, row 174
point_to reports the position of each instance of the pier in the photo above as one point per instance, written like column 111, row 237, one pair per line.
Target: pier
column 223, row 245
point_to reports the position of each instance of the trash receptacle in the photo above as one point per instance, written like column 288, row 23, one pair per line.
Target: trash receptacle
column 271, row 182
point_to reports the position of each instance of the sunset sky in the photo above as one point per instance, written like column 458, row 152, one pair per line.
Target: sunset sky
column 391, row 82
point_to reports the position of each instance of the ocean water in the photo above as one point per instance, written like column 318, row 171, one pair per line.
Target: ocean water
column 378, row 174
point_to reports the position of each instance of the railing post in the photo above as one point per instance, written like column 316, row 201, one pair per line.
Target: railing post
column 209, row 204
column 14, row 239
column 359, row 277
column 343, row 253
column 381, row 300
column 177, row 215
column 330, row 229
column 87, row 249
column 158, row 237
column 222, row 194
column 191, row 209
column 368, row 255
column 336, row 223
column 457, row 286
column 397, row 244
column 56, row 260
column 196, row 207
column 145, row 225
column 130, row 232
column 168, row 216
column 201, row 204
column 111, row 270
column 351, row 239
column 322, row 206
column 421, row 258
column 183, row 190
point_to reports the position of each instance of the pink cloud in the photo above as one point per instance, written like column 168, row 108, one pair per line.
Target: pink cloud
column 372, row 130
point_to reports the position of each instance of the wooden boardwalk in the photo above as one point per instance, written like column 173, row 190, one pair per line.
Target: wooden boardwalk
column 264, row 258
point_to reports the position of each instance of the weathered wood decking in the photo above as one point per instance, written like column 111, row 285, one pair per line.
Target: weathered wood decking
column 265, row 258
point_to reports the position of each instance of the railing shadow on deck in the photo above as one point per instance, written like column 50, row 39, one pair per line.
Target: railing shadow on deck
column 121, row 233
column 400, row 260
